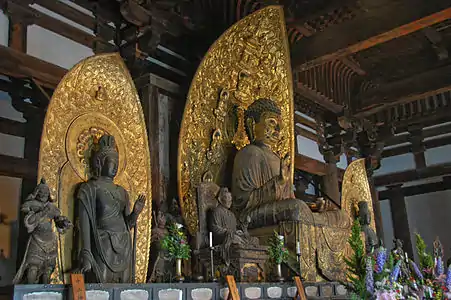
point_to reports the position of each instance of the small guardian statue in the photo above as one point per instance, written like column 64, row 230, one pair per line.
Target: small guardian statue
column 105, row 220
column 42, row 249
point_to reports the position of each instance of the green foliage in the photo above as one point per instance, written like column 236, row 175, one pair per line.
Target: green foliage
column 175, row 243
column 276, row 250
column 426, row 259
column 356, row 264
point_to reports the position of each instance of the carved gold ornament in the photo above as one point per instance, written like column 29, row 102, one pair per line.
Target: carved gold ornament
column 96, row 96
column 250, row 60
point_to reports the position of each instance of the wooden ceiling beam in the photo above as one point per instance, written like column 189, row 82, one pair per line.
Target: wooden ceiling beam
column 317, row 49
column 304, row 121
column 76, row 16
column 427, row 133
column 429, row 144
column 20, row 65
column 317, row 98
column 425, row 188
column 17, row 167
column 12, row 127
column 407, row 90
column 412, row 175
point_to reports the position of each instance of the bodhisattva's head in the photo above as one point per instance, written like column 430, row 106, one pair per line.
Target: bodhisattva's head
column 263, row 122
column 225, row 197
column 106, row 159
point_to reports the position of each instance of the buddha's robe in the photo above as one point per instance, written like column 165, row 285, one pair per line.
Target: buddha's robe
column 107, row 208
column 258, row 193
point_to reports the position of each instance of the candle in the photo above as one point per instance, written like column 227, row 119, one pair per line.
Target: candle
column 211, row 239
column 298, row 248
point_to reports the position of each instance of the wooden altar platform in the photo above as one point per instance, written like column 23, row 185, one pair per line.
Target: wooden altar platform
column 179, row 291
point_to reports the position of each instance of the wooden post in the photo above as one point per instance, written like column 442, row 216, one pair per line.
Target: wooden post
column 330, row 180
column 78, row 286
column 399, row 216
column 233, row 290
column 300, row 292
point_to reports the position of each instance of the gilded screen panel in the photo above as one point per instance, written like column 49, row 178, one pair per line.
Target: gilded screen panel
column 249, row 61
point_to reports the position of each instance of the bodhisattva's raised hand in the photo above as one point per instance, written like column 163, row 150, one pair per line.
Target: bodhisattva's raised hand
column 139, row 204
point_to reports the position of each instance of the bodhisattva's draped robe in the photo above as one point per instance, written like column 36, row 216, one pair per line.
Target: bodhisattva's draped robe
column 107, row 209
column 258, row 193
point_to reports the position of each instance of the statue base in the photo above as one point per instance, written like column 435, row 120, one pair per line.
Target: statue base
column 246, row 264
column 178, row 291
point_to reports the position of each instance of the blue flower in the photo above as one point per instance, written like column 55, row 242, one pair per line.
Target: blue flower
column 381, row 258
column 369, row 280
column 416, row 270
column 448, row 278
column 439, row 268
column 395, row 273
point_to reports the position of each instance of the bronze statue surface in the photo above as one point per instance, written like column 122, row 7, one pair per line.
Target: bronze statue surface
column 42, row 248
column 371, row 240
column 261, row 181
column 105, row 220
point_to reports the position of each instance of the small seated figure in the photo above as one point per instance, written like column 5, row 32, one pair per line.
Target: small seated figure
column 42, row 248
column 223, row 225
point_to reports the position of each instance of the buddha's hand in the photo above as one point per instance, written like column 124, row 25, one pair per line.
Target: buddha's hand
column 285, row 168
column 139, row 204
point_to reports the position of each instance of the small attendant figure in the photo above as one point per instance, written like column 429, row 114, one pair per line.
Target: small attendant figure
column 40, row 256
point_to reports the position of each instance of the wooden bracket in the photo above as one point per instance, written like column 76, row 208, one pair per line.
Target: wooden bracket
column 233, row 290
column 300, row 289
column 78, row 286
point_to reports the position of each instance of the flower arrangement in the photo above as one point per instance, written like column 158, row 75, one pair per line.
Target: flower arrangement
column 277, row 251
column 175, row 243
column 384, row 275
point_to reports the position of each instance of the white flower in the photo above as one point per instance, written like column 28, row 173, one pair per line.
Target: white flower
column 281, row 237
column 179, row 226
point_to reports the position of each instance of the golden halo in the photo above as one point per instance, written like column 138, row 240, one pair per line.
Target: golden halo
column 83, row 135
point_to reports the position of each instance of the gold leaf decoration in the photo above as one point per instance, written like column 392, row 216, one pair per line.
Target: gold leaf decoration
column 250, row 60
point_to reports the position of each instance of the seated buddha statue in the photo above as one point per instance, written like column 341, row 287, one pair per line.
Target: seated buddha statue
column 261, row 180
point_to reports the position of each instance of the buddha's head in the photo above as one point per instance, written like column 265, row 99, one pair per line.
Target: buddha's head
column 42, row 191
column 225, row 197
column 106, row 159
column 263, row 120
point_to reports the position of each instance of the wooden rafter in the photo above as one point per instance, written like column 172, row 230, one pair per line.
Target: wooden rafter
column 17, row 167
column 418, row 86
column 313, row 166
column 20, row 65
column 412, row 175
column 380, row 38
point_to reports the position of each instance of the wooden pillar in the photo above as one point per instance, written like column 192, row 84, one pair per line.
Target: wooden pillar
column 156, row 106
column 376, row 208
column 330, row 180
column 400, row 218
column 17, row 34
column 418, row 148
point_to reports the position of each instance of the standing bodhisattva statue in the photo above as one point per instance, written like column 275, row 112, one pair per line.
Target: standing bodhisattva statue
column 105, row 220
column 42, row 248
